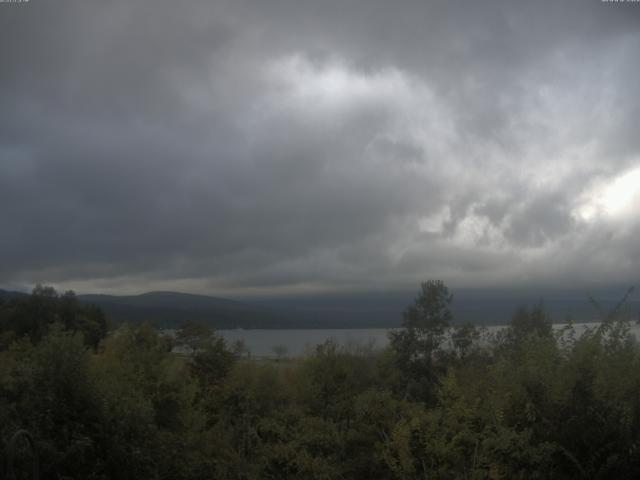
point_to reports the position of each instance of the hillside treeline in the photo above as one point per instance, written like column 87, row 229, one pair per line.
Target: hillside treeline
column 439, row 402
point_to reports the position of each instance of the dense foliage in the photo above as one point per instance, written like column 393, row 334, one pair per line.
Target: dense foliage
column 32, row 316
column 440, row 402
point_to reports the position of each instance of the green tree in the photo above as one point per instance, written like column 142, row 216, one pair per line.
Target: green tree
column 525, row 324
column 33, row 316
column 154, row 426
column 209, row 357
column 211, row 364
column 417, row 343
column 47, row 389
column 463, row 338
column 194, row 336
column 89, row 320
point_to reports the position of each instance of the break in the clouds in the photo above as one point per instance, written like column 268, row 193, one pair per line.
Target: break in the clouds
column 284, row 146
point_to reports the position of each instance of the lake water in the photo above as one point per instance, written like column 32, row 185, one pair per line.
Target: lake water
column 261, row 343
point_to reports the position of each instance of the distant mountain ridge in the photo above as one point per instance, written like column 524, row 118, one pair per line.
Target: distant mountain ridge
column 169, row 309
column 6, row 294
column 166, row 299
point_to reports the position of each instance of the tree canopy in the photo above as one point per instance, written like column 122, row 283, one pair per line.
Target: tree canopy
column 528, row 403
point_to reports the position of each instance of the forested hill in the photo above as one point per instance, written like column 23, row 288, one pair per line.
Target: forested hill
column 169, row 309
column 7, row 294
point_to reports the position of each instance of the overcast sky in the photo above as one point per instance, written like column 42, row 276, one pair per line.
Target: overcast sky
column 237, row 147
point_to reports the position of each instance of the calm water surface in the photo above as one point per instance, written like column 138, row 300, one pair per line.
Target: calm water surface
column 261, row 343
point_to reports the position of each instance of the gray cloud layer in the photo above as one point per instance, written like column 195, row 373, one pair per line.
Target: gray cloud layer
column 285, row 146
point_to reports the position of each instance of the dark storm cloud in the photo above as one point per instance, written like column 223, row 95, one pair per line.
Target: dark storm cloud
column 217, row 146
